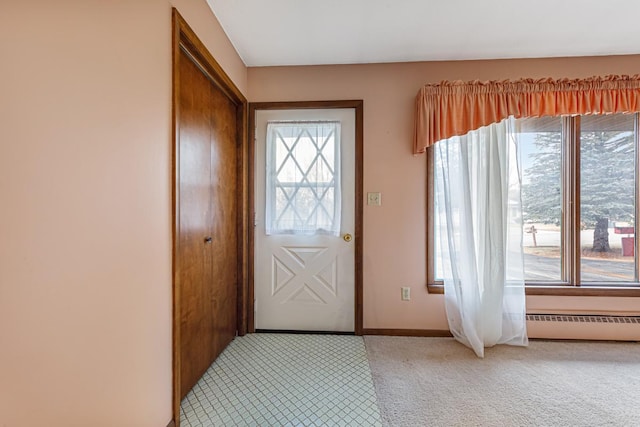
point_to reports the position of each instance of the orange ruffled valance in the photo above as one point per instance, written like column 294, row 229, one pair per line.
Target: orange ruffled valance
column 454, row 108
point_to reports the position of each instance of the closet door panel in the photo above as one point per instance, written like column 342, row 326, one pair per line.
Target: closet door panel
column 195, row 252
column 224, row 190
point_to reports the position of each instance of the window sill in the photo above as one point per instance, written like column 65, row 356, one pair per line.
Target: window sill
column 582, row 291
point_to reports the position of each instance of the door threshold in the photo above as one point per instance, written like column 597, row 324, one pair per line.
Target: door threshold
column 289, row 331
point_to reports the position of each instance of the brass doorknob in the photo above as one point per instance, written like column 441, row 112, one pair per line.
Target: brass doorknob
column 347, row 237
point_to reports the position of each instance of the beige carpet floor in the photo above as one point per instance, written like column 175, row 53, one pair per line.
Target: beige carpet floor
column 439, row 382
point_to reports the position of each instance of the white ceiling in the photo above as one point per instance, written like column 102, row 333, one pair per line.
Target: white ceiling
column 304, row 32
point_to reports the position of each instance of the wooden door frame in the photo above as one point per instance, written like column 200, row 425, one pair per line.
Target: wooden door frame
column 357, row 105
column 184, row 39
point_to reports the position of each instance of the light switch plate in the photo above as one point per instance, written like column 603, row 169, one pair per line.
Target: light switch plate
column 374, row 199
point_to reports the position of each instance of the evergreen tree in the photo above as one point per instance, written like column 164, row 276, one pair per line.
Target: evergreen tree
column 541, row 189
column 607, row 181
column 607, row 176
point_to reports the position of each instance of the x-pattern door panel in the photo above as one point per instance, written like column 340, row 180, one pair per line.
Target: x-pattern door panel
column 304, row 274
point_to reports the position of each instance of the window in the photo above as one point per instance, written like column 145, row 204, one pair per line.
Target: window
column 540, row 151
column 303, row 178
column 579, row 200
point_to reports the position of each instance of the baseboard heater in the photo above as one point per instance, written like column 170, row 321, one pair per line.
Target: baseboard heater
column 582, row 318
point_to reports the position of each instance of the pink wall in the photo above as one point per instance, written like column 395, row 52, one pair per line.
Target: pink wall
column 394, row 233
column 85, row 217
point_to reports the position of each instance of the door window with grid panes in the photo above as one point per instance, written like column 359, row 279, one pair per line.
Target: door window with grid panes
column 303, row 178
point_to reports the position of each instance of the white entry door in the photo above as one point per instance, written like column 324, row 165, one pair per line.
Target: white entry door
column 305, row 191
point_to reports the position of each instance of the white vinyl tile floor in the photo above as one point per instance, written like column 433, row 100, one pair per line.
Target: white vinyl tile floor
column 286, row 380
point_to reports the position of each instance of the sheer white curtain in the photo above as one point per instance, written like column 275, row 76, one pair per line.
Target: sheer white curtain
column 479, row 228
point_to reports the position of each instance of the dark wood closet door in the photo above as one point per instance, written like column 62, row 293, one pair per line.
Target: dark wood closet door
column 208, row 214
column 224, row 186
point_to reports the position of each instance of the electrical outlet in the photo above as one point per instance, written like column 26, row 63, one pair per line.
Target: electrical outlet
column 406, row 293
column 374, row 199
